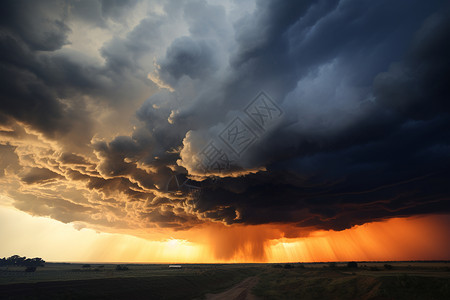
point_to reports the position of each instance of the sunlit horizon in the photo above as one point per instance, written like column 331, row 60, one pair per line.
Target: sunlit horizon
column 378, row 241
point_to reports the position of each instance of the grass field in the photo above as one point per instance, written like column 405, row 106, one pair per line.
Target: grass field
column 369, row 281
column 295, row 281
column 72, row 281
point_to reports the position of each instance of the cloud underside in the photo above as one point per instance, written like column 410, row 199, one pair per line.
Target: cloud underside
column 103, row 104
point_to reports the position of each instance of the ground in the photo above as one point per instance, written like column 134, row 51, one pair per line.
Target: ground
column 229, row 281
column 241, row 291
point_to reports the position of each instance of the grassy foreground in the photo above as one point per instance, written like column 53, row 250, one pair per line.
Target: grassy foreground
column 294, row 281
column 370, row 282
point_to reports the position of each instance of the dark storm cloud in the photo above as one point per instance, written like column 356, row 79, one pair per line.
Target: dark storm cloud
column 124, row 54
column 22, row 18
column 47, row 89
column 44, row 87
column 70, row 158
column 362, row 85
column 98, row 12
column 188, row 57
column 417, row 87
column 7, row 158
column 39, row 175
column 163, row 136
column 24, row 95
column 389, row 158
column 116, row 8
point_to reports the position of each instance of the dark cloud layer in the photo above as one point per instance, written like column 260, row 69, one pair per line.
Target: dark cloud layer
column 364, row 133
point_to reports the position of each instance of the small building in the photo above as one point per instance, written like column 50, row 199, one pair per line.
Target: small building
column 174, row 266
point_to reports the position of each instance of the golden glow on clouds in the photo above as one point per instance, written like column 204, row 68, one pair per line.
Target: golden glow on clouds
column 414, row 238
column 55, row 241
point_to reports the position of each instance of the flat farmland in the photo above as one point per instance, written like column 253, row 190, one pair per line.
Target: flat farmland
column 402, row 280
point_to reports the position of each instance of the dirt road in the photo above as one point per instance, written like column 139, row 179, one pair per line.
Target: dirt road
column 241, row 291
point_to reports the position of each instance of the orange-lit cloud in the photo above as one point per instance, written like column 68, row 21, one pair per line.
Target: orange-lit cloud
column 414, row 238
column 99, row 112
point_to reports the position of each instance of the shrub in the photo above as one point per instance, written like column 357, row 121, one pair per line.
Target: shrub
column 352, row 265
column 121, row 268
column 30, row 269
column 388, row 267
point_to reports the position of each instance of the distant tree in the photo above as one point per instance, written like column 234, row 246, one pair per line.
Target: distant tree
column 352, row 265
column 16, row 260
column 34, row 262
column 121, row 268
column 20, row 261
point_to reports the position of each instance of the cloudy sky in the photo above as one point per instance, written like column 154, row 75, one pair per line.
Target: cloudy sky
column 225, row 130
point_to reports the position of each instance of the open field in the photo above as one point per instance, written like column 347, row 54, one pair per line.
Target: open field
column 229, row 281
column 369, row 281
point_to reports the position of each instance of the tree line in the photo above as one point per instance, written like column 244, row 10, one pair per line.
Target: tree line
column 22, row 261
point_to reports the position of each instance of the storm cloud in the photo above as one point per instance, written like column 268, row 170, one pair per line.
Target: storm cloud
column 102, row 103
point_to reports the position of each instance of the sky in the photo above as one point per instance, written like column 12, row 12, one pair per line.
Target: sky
column 225, row 131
